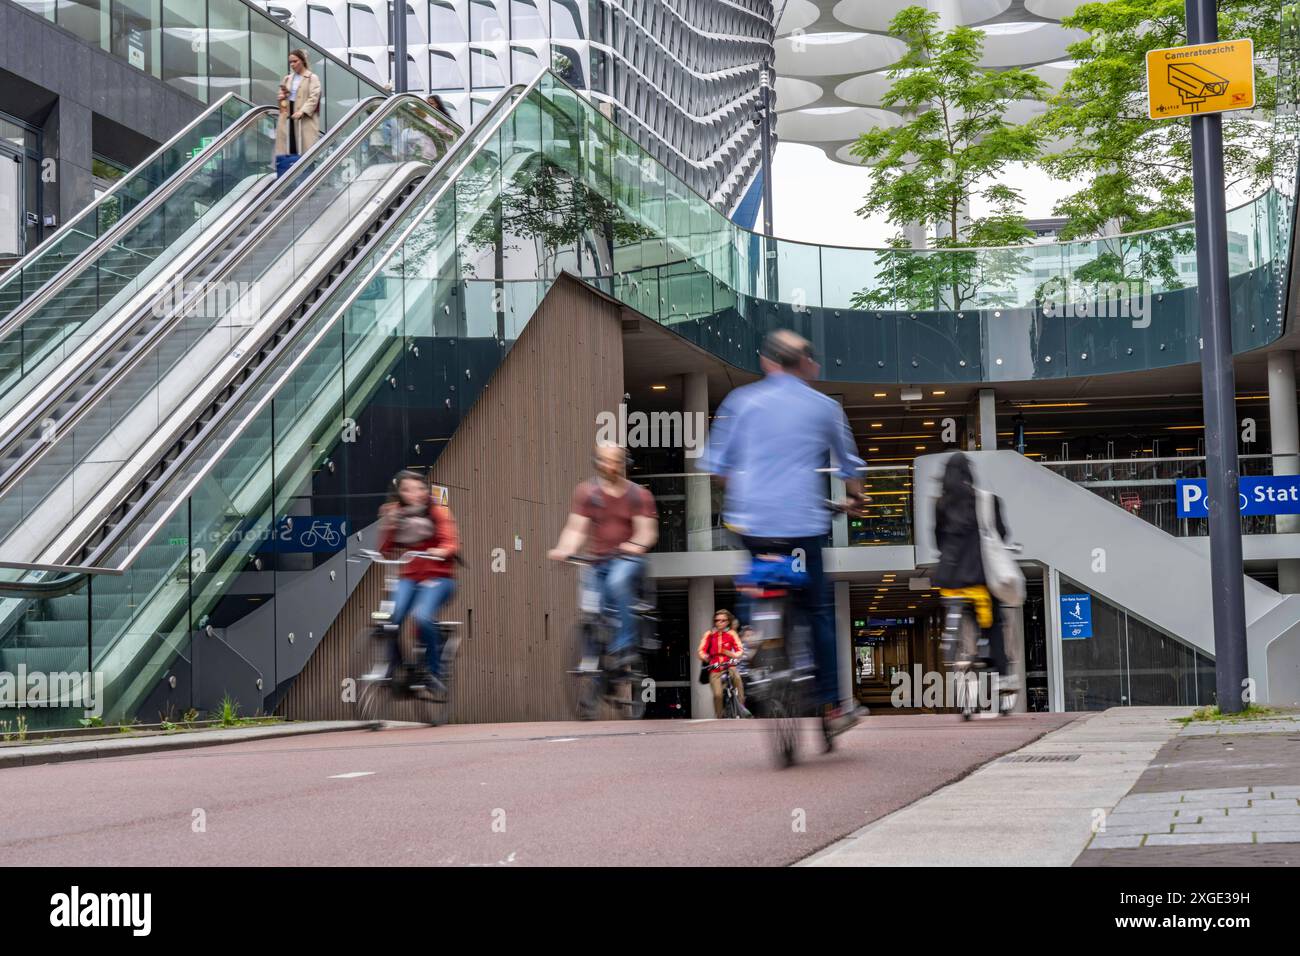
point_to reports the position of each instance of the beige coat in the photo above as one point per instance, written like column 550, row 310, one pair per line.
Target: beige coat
column 306, row 129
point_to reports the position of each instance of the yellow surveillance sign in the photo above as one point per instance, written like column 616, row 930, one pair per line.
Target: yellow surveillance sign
column 1205, row 78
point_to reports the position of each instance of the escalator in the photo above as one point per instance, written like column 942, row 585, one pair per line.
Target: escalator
column 68, row 318
column 124, row 417
column 197, row 579
column 75, row 237
column 105, row 426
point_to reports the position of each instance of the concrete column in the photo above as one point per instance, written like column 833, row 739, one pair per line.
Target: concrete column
column 839, row 521
column 987, row 420
column 1055, row 650
column 72, row 145
column 699, row 618
column 844, row 637
column 699, row 511
column 1285, row 437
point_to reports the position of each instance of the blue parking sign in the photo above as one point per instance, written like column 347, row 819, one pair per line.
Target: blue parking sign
column 1256, row 495
column 1076, row 616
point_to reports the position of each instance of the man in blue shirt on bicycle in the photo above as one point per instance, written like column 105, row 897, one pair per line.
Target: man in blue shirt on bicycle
column 767, row 443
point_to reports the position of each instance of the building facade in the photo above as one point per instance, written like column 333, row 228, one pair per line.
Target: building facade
column 681, row 75
column 90, row 89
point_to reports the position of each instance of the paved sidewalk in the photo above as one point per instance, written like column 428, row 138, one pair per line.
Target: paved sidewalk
column 1035, row 807
column 1220, row 793
column 26, row 755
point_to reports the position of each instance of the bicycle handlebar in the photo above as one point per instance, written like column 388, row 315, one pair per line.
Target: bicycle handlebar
column 406, row 558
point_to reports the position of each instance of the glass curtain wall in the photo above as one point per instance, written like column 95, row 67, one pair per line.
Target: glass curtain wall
column 205, row 48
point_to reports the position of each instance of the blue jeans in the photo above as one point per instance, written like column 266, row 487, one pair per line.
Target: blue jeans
column 816, row 605
column 617, row 580
column 426, row 599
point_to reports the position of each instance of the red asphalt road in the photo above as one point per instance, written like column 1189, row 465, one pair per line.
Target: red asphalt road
column 650, row 793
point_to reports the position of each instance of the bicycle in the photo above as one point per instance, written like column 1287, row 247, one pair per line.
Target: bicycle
column 965, row 655
column 381, row 684
column 730, row 699
column 781, row 672
column 596, row 678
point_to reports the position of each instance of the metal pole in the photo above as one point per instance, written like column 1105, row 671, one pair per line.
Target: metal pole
column 397, row 16
column 765, row 100
column 765, row 144
column 1218, row 386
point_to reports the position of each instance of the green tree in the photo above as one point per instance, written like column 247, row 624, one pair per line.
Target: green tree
column 543, row 203
column 1137, row 171
column 953, row 145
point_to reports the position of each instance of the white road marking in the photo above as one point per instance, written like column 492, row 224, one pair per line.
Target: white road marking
column 561, row 740
column 349, row 776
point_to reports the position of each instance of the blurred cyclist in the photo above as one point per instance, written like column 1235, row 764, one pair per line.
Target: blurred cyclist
column 767, row 442
column 615, row 522
column 960, row 574
column 721, row 650
column 412, row 521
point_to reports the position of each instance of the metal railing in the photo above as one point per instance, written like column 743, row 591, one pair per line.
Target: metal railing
column 1147, row 487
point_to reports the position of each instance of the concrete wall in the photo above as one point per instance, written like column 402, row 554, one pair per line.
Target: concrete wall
column 510, row 467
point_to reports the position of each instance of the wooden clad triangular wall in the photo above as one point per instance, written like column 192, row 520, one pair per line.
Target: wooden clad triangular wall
column 511, row 467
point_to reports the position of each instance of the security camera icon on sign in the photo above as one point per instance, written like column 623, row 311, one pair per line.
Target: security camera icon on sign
column 1195, row 84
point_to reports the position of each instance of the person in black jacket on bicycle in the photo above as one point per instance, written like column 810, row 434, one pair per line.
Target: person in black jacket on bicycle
column 960, row 574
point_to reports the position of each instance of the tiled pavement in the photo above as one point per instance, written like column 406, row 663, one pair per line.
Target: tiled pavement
column 1125, row 787
column 1217, row 794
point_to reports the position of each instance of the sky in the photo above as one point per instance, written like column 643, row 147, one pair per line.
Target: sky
column 814, row 198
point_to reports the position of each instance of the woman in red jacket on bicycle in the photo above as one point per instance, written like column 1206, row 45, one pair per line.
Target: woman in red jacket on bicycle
column 414, row 522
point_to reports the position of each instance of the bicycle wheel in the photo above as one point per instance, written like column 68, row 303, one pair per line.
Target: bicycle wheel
column 629, row 689
column 730, row 704
column 447, row 674
column 584, row 683
column 370, row 674
column 372, row 702
column 783, row 713
column 967, row 688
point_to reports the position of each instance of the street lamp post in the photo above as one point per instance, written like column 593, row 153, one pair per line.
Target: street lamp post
column 1218, row 386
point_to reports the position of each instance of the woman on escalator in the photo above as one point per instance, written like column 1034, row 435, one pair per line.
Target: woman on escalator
column 300, row 92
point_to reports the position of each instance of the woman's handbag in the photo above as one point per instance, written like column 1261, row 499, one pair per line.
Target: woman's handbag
column 1003, row 576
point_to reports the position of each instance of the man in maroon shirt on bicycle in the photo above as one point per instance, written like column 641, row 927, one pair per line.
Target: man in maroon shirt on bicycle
column 614, row 520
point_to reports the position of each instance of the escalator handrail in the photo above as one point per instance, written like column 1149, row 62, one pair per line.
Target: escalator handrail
column 60, row 280
column 508, row 99
column 112, row 191
column 384, row 107
column 71, row 577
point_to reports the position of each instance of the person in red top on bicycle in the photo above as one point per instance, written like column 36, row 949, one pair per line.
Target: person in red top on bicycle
column 720, row 650
column 412, row 521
